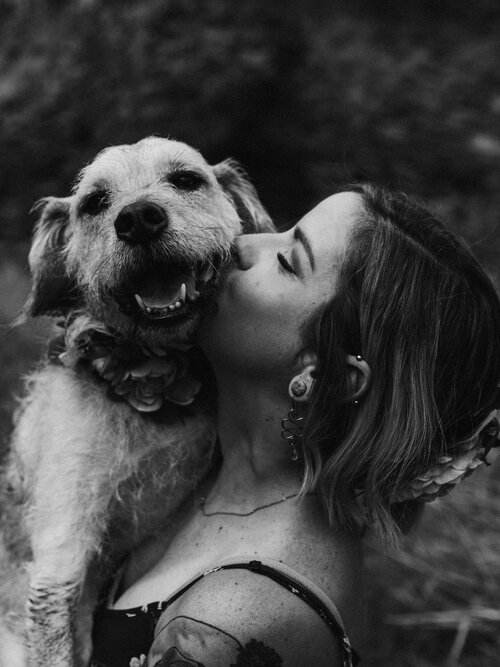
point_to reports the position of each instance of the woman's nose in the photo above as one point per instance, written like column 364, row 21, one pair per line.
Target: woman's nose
column 249, row 248
column 244, row 252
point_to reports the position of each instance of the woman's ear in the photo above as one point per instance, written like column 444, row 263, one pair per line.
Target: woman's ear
column 359, row 377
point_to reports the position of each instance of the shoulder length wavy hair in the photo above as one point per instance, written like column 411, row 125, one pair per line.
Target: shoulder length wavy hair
column 416, row 305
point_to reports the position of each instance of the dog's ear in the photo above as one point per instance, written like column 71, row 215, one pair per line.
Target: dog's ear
column 235, row 183
column 53, row 291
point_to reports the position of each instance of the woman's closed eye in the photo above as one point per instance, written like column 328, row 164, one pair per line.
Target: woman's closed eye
column 285, row 264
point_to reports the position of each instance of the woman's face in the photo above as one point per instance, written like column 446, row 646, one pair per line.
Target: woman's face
column 276, row 284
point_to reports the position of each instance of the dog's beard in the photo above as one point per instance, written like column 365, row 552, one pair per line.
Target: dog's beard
column 150, row 335
column 114, row 302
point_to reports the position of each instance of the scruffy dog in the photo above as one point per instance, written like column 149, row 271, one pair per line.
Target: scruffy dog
column 129, row 260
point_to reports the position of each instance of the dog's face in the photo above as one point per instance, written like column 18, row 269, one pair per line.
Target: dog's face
column 140, row 242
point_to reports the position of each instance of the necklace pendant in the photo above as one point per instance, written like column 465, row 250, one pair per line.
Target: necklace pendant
column 294, row 454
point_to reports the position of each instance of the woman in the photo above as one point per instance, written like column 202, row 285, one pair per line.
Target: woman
column 376, row 326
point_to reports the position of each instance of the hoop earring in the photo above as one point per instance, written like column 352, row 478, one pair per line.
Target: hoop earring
column 292, row 430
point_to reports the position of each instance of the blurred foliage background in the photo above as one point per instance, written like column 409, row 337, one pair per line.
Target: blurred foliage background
column 306, row 94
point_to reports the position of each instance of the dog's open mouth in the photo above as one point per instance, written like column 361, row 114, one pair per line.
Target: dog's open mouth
column 160, row 293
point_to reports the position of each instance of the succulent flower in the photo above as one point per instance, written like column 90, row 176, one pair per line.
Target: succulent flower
column 143, row 378
column 450, row 470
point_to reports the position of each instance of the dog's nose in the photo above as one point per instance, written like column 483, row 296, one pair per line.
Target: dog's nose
column 140, row 222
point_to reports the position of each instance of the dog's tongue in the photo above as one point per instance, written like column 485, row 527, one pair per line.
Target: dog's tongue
column 161, row 292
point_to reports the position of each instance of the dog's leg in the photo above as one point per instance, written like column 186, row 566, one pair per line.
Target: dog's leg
column 76, row 451
column 50, row 621
column 36, row 604
column 60, row 607
column 60, row 559
column 61, row 474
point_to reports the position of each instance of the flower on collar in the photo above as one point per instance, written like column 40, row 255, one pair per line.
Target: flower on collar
column 143, row 378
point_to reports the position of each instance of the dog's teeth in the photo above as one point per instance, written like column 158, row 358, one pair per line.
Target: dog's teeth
column 148, row 309
column 140, row 302
column 182, row 293
column 171, row 307
column 178, row 304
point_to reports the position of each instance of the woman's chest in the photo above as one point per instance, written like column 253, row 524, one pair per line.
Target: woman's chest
column 192, row 550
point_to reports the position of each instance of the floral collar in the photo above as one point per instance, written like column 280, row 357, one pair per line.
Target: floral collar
column 142, row 378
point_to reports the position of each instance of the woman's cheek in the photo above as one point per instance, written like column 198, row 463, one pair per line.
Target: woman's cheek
column 262, row 302
column 258, row 300
column 243, row 291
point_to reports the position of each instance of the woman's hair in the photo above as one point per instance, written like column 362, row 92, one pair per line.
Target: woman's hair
column 417, row 306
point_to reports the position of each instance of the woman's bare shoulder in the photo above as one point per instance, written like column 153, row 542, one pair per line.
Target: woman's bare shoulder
column 332, row 559
column 240, row 617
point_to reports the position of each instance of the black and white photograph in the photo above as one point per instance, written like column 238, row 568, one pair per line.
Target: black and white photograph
column 249, row 333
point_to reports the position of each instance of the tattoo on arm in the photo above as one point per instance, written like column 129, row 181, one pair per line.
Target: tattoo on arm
column 187, row 642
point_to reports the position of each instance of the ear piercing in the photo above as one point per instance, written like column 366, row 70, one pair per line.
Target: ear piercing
column 298, row 388
column 356, row 402
column 291, row 431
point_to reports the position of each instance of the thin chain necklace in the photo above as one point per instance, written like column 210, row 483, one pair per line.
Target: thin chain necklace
column 283, row 499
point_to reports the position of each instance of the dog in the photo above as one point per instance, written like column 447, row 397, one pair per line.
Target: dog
column 116, row 428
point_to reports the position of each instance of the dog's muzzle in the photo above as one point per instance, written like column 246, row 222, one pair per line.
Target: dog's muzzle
column 155, row 289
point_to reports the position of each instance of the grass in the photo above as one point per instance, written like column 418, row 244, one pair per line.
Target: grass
column 436, row 601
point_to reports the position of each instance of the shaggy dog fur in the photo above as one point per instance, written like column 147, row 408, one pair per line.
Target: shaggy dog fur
column 89, row 477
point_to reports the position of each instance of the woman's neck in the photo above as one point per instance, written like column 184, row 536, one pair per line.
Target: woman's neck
column 256, row 464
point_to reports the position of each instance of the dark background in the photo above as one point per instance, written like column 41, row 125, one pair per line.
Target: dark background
column 306, row 94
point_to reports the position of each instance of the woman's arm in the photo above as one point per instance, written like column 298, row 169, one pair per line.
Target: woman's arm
column 236, row 619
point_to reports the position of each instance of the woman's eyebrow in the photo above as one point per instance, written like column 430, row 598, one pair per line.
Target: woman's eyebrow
column 299, row 235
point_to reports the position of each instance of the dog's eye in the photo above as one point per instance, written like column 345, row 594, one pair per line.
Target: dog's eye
column 186, row 180
column 94, row 203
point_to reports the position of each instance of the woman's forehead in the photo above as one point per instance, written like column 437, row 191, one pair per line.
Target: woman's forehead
column 338, row 207
column 332, row 220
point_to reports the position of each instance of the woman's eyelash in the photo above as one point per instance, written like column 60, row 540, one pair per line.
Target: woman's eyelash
column 286, row 264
